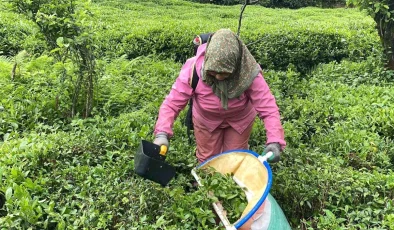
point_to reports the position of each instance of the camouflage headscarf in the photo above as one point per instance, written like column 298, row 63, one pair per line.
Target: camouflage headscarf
column 226, row 53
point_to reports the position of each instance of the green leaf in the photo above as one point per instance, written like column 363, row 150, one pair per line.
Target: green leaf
column 5, row 137
column 60, row 41
column 8, row 193
column 160, row 221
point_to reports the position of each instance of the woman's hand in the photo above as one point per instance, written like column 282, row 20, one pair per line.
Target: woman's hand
column 275, row 149
column 162, row 139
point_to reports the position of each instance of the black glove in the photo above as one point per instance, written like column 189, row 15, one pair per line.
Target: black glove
column 275, row 149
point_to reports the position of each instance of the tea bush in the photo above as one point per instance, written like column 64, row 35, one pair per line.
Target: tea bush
column 29, row 98
column 123, row 80
column 36, row 96
column 324, row 69
column 324, row 183
column 328, row 111
column 326, row 135
column 92, row 164
column 277, row 38
column 333, row 131
column 17, row 34
column 293, row 4
column 370, row 72
column 333, row 126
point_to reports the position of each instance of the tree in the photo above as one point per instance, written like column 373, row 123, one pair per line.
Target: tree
column 382, row 11
column 61, row 24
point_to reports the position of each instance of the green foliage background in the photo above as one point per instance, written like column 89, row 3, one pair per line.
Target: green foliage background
column 292, row 4
column 324, row 66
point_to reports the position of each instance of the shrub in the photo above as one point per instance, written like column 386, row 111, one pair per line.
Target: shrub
column 30, row 97
column 17, row 34
column 122, row 89
column 292, row 4
column 278, row 38
column 312, row 185
column 302, row 44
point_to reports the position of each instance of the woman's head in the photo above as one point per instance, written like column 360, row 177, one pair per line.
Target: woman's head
column 229, row 68
column 222, row 54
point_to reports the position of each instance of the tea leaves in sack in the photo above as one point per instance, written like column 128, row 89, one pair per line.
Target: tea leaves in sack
column 223, row 188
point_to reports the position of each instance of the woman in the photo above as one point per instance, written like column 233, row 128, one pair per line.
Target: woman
column 230, row 93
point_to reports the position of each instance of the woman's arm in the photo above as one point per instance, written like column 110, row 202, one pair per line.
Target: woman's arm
column 264, row 103
column 176, row 100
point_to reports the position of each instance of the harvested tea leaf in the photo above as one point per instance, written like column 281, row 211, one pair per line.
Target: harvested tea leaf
column 226, row 190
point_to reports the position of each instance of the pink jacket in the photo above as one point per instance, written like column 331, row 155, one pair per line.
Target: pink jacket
column 207, row 108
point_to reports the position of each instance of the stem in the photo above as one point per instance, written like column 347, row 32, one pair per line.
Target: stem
column 13, row 72
column 240, row 16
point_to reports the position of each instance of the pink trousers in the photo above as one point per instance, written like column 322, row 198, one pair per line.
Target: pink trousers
column 222, row 139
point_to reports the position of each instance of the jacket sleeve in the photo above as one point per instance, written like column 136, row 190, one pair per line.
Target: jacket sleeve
column 265, row 105
column 176, row 100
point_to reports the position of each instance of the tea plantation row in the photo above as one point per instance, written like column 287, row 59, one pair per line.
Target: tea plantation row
column 277, row 37
column 336, row 172
column 63, row 173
